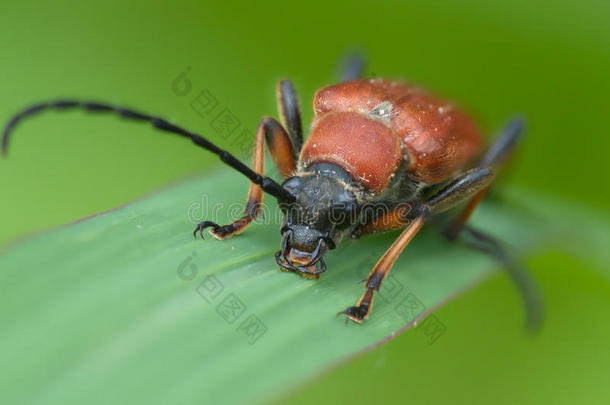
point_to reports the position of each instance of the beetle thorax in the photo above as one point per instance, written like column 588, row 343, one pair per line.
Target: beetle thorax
column 325, row 206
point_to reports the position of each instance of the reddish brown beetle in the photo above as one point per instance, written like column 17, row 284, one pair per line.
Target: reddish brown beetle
column 381, row 155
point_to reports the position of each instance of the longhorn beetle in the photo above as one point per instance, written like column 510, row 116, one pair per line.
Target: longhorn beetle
column 380, row 155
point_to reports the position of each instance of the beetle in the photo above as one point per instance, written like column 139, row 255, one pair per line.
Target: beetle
column 381, row 155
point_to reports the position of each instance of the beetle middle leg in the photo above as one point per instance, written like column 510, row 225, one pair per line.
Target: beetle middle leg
column 460, row 189
column 495, row 156
column 497, row 153
column 281, row 150
column 395, row 218
column 352, row 67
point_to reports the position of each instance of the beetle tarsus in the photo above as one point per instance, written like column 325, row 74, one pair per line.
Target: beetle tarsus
column 222, row 232
column 217, row 230
column 360, row 311
column 356, row 314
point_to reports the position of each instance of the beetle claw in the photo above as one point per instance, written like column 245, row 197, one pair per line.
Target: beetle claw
column 356, row 314
column 203, row 225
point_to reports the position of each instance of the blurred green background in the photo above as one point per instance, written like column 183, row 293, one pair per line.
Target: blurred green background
column 546, row 60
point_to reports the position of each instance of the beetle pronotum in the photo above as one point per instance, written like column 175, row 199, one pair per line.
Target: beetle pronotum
column 373, row 143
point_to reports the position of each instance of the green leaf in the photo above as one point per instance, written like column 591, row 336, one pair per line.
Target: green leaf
column 105, row 310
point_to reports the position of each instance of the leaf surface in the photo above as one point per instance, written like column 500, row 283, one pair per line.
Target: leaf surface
column 128, row 307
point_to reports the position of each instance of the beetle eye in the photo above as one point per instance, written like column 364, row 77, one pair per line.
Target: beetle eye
column 330, row 243
column 293, row 184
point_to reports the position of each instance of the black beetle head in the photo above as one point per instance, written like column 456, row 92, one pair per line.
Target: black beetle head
column 324, row 210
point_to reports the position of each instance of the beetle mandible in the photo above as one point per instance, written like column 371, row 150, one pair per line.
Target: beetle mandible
column 381, row 155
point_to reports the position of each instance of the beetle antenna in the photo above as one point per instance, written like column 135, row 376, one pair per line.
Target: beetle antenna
column 268, row 185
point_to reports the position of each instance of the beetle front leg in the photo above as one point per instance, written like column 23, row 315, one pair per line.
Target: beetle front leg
column 281, row 151
column 375, row 278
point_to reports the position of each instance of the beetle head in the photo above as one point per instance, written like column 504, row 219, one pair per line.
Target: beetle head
column 324, row 210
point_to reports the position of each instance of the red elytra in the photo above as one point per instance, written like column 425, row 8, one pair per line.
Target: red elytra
column 435, row 137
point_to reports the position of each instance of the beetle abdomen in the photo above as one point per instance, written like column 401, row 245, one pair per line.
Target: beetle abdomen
column 367, row 149
column 438, row 138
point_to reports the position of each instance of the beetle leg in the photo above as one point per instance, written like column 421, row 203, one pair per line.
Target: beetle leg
column 396, row 218
column 375, row 278
column 497, row 153
column 460, row 189
column 352, row 67
column 280, row 147
column 465, row 186
column 525, row 284
column 289, row 109
column 281, row 151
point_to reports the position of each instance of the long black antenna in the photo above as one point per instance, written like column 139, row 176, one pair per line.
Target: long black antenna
column 268, row 185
